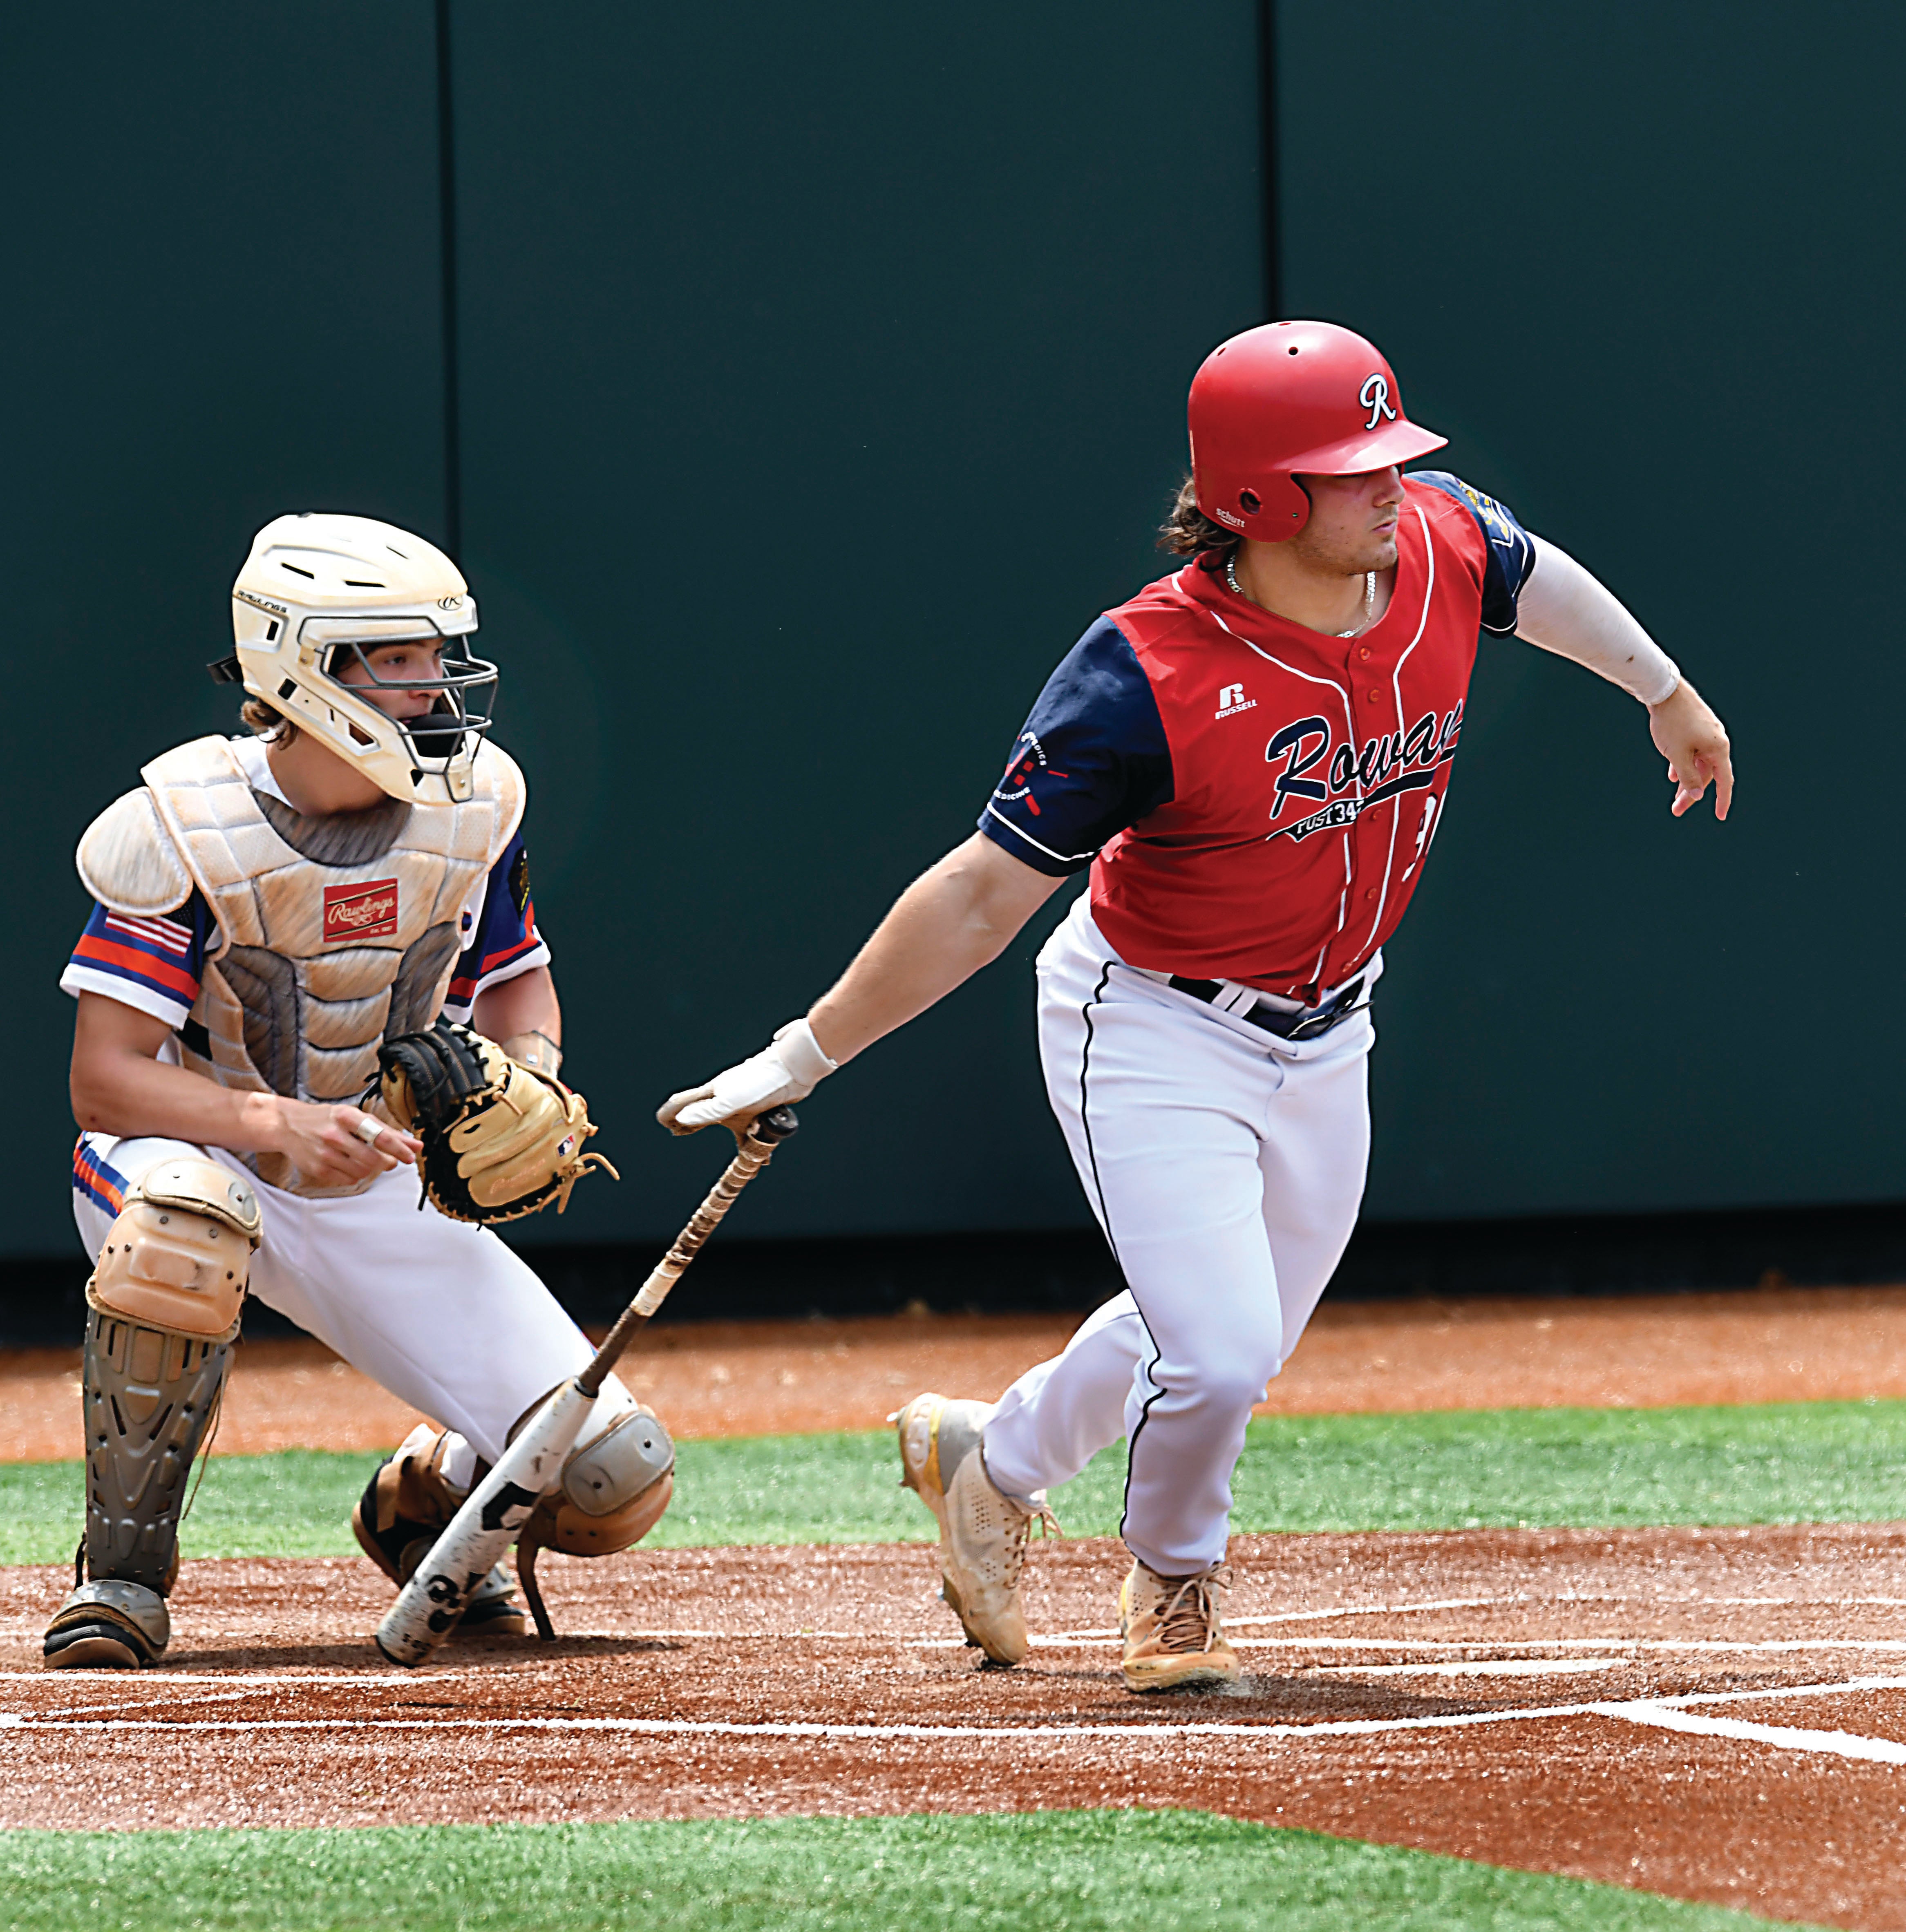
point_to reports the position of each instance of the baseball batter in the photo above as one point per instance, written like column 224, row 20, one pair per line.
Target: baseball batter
column 1251, row 758
column 272, row 910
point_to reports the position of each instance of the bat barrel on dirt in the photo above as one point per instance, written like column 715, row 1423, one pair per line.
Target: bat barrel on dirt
column 428, row 1607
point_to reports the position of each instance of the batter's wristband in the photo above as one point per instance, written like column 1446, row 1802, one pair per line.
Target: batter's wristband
column 796, row 1048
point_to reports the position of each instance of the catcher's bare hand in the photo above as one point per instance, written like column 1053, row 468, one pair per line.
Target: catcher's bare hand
column 789, row 1068
column 1694, row 743
column 334, row 1144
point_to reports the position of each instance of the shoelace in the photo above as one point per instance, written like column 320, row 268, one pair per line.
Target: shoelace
column 1016, row 1549
column 1189, row 1621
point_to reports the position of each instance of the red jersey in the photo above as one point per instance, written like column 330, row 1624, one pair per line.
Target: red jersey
column 1256, row 799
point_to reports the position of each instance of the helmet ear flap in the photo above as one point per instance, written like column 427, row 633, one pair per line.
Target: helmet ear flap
column 1286, row 509
column 1272, row 508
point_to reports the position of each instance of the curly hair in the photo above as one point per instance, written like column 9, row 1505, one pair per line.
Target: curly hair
column 268, row 721
column 1188, row 532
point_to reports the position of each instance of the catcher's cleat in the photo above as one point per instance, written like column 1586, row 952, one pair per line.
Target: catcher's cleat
column 493, row 1610
column 983, row 1530
column 1174, row 1630
column 108, row 1625
column 396, row 1545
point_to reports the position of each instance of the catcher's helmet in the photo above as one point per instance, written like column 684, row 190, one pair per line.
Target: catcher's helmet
column 319, row 590
column 1291, row 396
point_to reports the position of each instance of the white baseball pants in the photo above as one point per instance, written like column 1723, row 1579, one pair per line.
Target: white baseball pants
column 1226, row 1166
column 439, row 1311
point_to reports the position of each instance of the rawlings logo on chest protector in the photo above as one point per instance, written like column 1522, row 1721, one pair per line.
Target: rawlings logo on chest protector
column 352, row 913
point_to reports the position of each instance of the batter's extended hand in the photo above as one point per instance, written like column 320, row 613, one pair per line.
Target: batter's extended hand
column 1694, row 743
column 789, row 1068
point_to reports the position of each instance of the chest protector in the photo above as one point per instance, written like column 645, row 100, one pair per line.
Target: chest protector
column 333, row 932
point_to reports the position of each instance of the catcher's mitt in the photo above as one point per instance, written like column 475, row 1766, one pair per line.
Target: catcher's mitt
column 499, row 1140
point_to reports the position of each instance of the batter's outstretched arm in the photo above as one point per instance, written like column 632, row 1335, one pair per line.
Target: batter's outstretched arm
column 1562, row 608
column 957, row 916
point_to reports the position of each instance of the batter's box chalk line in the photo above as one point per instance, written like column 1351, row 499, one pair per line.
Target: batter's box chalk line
column 1672, row 1714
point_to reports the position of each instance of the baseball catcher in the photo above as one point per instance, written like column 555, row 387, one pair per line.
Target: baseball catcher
column 312, row 981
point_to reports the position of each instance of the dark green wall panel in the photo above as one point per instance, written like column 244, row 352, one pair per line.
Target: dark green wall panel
column 823, row 376
column 220, row 238
column 1640, row 264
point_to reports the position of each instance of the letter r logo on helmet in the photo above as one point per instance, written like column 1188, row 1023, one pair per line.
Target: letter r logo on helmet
column 1288, row 400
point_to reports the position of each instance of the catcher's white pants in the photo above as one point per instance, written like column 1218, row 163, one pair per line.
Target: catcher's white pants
column 1226, row 1166
column 439, row 1311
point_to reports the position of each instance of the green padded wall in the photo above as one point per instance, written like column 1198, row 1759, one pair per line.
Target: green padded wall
column 823, row 375
column 220, row 239
column 1638, row 263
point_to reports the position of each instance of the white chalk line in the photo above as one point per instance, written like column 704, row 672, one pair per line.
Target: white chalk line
column 1662, row 1713
column 1784, row 1737
column 1067, row 1638
column 1090, row 1639
column 186, row 1674
column 1369, row 1610
column 173, row 1690
column 1081, row 1640
column 1516, row 1666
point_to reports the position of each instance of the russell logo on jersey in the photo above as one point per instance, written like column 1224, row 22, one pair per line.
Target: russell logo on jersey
column 1388, row 765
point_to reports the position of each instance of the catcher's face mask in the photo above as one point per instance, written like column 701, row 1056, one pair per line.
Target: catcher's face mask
column 319, row 594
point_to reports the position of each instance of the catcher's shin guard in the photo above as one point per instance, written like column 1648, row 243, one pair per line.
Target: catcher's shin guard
column 163, row 1311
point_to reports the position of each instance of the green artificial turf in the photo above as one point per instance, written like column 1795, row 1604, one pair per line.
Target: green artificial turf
column 1062, row 1871
column 1452, row 1469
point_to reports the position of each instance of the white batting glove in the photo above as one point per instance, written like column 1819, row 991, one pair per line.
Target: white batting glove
column 789, row 1069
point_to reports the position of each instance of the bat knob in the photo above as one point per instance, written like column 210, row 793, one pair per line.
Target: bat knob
column 775, row 1125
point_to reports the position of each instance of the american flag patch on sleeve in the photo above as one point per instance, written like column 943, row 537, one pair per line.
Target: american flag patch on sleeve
column 167, row 934
column 143, row 959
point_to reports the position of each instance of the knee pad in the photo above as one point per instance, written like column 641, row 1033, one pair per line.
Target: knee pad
column 163, row 1311
column 616, row 1483
column 177, row 1259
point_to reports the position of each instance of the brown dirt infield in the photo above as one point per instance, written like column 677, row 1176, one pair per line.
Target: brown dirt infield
column 1719, row 1715
column 736, row 1378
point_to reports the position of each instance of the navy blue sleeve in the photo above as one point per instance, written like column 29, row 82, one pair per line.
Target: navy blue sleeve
column 1512, row 549
column 1092, row 759
column 502, row 940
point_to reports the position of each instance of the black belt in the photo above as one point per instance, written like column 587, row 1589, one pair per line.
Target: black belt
column 1307, row 1023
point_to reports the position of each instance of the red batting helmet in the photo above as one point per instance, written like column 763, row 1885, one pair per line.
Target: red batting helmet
column 1291, row 396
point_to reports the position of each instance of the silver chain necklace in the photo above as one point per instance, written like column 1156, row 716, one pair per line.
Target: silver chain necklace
column 1370, row 592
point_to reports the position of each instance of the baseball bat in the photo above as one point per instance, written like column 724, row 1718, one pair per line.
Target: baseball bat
column 429, row 1605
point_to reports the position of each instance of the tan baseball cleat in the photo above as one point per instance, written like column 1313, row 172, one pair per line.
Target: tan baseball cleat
column 983, row 1530
column 1174, row 1630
